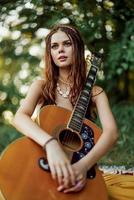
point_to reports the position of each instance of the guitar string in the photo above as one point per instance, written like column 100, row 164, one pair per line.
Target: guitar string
column 70, row 137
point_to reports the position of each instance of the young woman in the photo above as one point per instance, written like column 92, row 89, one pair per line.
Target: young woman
column 65, row 74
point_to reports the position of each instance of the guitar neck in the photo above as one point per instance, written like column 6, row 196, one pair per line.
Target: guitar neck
column 79, row 111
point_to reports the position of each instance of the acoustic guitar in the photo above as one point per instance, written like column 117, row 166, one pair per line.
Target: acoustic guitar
column 24, row 171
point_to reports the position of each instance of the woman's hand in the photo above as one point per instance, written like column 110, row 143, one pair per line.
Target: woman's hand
column 59, row 164
column 81, row 174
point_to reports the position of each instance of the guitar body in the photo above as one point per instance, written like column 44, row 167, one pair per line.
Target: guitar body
column 22, row 178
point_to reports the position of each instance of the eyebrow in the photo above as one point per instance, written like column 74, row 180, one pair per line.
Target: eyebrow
column 62, row 41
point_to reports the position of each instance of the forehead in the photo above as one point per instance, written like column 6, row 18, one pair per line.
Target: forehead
column 59, row 36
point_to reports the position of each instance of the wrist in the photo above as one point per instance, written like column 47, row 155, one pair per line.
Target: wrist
column 84, row 164
column 51, row 140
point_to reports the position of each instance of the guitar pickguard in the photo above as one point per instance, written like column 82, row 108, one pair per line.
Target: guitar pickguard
column 87, row 135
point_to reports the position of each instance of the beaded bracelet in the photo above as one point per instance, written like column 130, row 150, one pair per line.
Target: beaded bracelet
column 49, row 140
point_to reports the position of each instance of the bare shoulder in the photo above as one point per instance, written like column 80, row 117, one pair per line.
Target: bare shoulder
column 28, row 104
column 35, row 90
column 97, row 91
column 105, row 114
column 99, row 97
column 38, row 83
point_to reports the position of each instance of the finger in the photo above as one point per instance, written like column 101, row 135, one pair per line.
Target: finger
column 53, row 171
column 60, row 188
column 72, row 175
column 79, row 186
column 59, row 175
column 65, row 176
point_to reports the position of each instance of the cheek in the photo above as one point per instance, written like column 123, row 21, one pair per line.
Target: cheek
column 70, row 53
column 53, row 55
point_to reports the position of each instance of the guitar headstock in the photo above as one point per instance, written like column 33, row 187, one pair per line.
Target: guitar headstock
column 94, row 59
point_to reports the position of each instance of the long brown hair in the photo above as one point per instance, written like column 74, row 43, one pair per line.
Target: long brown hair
column 78, row 67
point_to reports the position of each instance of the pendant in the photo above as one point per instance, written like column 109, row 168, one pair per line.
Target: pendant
column 63, row 94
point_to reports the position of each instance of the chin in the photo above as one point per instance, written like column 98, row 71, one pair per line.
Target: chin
column 64, row 66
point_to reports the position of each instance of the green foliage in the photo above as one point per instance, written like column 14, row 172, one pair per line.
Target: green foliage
column 7, row 135
column 123, row 152
column 120, row 56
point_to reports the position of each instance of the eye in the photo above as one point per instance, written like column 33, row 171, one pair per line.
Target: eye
column 67, row 44
column 54, row 46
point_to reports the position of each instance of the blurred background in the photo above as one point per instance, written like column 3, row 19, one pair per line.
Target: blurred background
column 106, row 27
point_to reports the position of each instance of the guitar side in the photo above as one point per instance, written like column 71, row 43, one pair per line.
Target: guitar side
column 21, row 177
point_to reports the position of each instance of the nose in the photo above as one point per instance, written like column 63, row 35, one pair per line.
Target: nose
column 61, row 48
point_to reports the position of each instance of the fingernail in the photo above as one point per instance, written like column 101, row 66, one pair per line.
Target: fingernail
column 59, row 188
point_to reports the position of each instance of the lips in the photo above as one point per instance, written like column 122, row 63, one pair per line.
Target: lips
column 62, row 57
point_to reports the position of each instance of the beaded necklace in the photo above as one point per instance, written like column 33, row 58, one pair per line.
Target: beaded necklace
column 67, row 92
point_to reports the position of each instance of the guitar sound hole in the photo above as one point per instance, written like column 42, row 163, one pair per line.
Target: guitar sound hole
column 70, row 140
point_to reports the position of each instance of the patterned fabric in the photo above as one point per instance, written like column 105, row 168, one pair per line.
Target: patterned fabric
column 119, row 187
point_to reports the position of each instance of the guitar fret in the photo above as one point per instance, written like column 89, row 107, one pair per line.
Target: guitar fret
column 83, row 103
column 79, row 110
column 76, row 114
column 94, row 69
column 91, row 80
column 73, row 125
column 88, row 84
column 80, row 107
column 88, row 90
column 91, row 77
column 80, row 117
column 76, row 120
column 85, row 92
column 94, row 66
column 84, row 98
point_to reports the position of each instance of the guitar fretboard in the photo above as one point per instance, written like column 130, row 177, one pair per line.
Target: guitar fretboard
column 81, row 106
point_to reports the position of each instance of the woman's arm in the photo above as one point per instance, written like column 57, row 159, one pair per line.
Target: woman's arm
column 59, row 163
column 22, row 120
column 106, row 141
column 109, row 130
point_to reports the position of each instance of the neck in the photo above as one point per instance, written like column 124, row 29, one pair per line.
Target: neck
column 63, row 75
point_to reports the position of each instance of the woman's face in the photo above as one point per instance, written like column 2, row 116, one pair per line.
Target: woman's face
column 61, row 49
